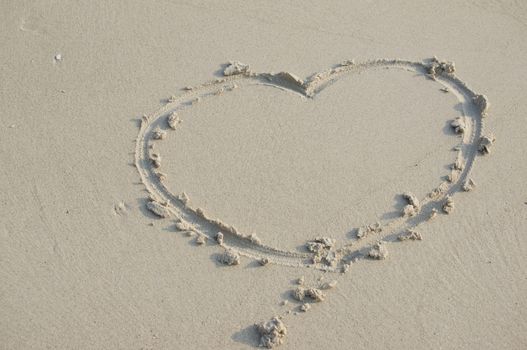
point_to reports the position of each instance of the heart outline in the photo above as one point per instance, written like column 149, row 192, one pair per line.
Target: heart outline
column 165, row 203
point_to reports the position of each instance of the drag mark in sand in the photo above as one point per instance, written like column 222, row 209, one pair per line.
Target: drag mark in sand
column 321, row 253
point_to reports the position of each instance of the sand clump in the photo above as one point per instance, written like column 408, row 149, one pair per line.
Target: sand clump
column 159, row 209
column 183, row 198
column 433, row 214
column 469, row 185
column 235, row 68
column 272, row 333
column 263, row 261
column 458, row 125
column 301, row 293
column 298, row 293
column 230, row 257
column 161, row 176
column 413, row 207
column 482, row 102
column 438, row 191
column 219, row 238
column 378, row 251
column 305, row 307
column 155, row 158
column 485, row 144
column 369, row 229
column 173, row 120
column 319, row 244
column 448, row 206
column 323, row 249
column 329, row 285
column 453, row 176
column 410, row 235
column 159, row 134
column 437, row 68
column 184, row 226
column 315, row 294
column 201, row 240
column 254, row 238
column 458, row 164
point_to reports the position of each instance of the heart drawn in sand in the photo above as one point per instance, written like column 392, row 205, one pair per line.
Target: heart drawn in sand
column 322, row 252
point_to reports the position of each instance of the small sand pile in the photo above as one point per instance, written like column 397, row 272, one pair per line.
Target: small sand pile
column 263, row 261
column 305, row 307
column 201, row 240
column 319, row 244
column 159, row 134
column 161, row 176
column 437, row 67
column 329, row 285
column 156, row 160
column 230, row 257
column 183, row 197
column 413, row 207
column 433, row 214
column 301, row 293
column 482, row 102
column 458, row 164
column 184, row 226
column 369, row 229
column 324, row 252
column 219, row 238
column 235, row 68
column 485, row 144
column 448, row 207
column 173, row 120
column 469, row 185
column 272, row 333
column 458, row 125
column 159, row 209
column 453, row 176
column 410, row 235
column 254, row 238
column 378, row 251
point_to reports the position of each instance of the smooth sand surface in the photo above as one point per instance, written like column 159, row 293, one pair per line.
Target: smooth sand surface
column 85, row 264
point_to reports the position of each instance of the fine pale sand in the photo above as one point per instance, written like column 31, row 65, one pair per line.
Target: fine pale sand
column 186, row 175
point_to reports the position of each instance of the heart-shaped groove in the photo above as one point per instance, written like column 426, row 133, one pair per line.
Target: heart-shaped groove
column 164, row 203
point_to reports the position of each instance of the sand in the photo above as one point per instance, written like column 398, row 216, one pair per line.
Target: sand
column 191, row 175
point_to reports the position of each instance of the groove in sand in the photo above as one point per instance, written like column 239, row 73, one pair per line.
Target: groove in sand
column 167, row 204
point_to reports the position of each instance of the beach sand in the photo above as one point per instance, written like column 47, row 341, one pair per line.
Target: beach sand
column 344, row 167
